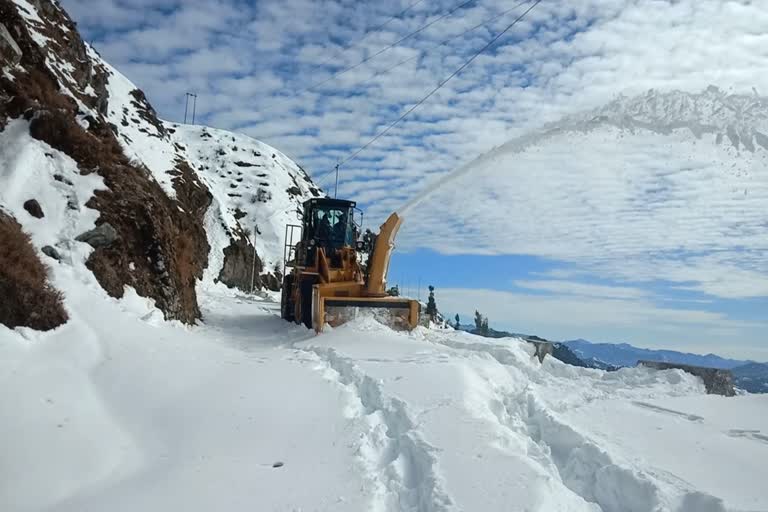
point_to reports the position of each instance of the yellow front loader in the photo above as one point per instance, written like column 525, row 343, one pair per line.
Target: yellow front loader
column 326, row 281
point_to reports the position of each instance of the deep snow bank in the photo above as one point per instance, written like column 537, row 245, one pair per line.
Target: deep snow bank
column 120, row 410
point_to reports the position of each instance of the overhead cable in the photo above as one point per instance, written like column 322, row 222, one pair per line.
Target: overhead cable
column 437, row 88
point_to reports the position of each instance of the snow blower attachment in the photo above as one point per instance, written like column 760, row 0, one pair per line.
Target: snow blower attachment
column 327, row 283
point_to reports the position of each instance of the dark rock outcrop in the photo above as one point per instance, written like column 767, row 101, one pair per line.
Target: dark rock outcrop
column 51, row 252
column 102, row 235
column 716, row 381
column 243, row 268
column 10, row 53
column 34, row 208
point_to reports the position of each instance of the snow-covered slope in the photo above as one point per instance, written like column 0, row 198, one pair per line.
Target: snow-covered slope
column 255, row 189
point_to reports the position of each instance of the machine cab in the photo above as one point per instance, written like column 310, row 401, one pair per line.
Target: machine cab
column 328, row 223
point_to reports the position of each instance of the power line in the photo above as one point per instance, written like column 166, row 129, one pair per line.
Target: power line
column 367, row 33
column 442, row 43
column 445, row 42
column 439, row 86
column 370, row 57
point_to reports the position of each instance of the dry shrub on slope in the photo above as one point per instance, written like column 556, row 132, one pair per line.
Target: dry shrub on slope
column 26, row 297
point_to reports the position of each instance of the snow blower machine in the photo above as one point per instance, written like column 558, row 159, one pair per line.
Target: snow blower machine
column 326, row 280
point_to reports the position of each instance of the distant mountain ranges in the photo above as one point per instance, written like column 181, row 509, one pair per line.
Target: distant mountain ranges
column 750, row 376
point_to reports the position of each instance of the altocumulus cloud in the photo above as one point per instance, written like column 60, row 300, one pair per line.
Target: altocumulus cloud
column 623, row 204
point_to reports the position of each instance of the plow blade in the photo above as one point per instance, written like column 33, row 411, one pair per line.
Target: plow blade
column 398, row 314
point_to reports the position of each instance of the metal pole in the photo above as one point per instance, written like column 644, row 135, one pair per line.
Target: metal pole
column 253, row 266
column 336, row 191
column 419, row 288
column 186, row 107
column 194, row 107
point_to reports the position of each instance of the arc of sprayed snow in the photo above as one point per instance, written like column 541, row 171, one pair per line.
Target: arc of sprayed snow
column 613, row 114
column 514, row 146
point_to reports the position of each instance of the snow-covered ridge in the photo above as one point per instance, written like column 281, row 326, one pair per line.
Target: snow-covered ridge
column 256, row 189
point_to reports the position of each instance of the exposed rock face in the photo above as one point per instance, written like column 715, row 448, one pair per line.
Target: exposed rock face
column 167, row 247
column 10, row 53
column 243, row 268
column 102, row 235
column 240, row 267
column 716, row 381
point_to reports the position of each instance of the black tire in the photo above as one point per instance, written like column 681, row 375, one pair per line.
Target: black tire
column 287, row 308
column 306, row 301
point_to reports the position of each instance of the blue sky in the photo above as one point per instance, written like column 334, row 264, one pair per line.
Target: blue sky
column 675, row 258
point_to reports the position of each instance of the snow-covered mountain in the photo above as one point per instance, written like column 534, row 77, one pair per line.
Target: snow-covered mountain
column 173, row 206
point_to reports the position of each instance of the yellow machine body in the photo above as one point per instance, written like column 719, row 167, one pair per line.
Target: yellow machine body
column 328, row 284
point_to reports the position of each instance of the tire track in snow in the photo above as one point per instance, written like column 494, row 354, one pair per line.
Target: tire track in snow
column 671, row 412
column 575, row 459
column 399, row 461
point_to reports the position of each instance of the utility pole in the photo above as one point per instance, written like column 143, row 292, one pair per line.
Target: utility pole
column 194, row 106
column 336, row 190
column 253, row 265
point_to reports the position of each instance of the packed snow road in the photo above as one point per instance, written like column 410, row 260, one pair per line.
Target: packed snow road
column 119, row 410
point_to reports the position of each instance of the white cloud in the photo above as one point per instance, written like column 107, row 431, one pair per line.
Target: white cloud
column 582, row 289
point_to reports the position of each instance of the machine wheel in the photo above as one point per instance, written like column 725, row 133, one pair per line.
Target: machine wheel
column 306, row 301
column 287, row 308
